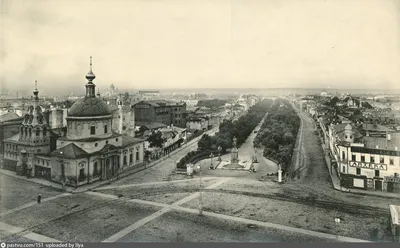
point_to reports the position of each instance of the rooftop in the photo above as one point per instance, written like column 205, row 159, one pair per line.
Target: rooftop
column 151, row 125
column 375, row 127
column 89, row 107
column 160, row 103
column 8, row 116
column 70, row 151
column 91, row 139
column 382, row 143
column 128, row 140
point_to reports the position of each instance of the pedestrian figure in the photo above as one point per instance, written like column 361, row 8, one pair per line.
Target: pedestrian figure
column 39, row 198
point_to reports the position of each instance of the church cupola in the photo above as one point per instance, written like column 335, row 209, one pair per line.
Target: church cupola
column 90, row 86
column 348, row 134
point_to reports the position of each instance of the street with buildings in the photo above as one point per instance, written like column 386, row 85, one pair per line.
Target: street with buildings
column 107, row 170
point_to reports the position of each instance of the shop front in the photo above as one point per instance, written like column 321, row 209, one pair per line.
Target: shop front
column 392, row 184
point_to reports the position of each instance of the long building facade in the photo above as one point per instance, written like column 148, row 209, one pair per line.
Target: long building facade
column 168, row 113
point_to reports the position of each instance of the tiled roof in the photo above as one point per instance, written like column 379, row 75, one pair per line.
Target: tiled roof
column 70, row 151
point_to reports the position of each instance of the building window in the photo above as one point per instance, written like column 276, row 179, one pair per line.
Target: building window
column 362, row 158
column 372, row 159
column 358, row 171
column 353, row 157
column 343, row 155
column 38, row 132
column 377, row 173
column 116, row 139
column 391, row 161
column 382, row 159
column 131, row 158
column 95, row 144
column 93, row 130
column 105, row 129
column 344, row 169
column 125, row 160
column 44, row 131
column 106, row 142
column 137, row 155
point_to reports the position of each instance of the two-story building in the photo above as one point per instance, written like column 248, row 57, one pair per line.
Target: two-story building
column 366, row 162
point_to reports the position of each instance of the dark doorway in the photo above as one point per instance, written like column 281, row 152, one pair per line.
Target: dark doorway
column 378, row 185
column 390, row 187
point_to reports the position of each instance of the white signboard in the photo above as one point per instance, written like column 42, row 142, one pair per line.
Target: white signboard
column 370, row 166
column 359, row 183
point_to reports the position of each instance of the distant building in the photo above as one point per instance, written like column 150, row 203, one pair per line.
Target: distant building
column 324, row 93
column 168, row 113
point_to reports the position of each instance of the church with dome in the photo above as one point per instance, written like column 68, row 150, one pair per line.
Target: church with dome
column 90, row 150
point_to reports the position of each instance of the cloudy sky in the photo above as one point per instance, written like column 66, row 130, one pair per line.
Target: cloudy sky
column 200, row 43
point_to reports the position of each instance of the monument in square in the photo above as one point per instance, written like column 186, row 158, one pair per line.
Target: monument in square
column 234, row 164
column 234, row 152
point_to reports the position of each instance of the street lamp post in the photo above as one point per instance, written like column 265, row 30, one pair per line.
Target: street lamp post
column 200, row 193
column 211, row 157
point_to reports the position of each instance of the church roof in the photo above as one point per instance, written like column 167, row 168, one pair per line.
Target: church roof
column 127, row 140
column 70, row 151
column 89, row 107
column 107, row 148
column 8, row 116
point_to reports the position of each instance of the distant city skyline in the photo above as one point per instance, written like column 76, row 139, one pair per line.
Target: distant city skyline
column 314, row 44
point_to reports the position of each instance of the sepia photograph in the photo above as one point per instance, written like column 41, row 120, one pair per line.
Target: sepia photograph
column 199, row 121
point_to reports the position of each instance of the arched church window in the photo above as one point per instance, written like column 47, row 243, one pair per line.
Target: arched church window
column 30, row 132
column 44, row 131
column 37, row 132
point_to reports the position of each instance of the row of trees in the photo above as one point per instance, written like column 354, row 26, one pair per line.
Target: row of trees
column 278, row 133
column 228, row 129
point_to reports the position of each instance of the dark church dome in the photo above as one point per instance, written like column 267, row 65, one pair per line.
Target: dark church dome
column 88, row 107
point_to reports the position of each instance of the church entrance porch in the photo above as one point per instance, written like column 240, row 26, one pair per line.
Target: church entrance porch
column 110, row 166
